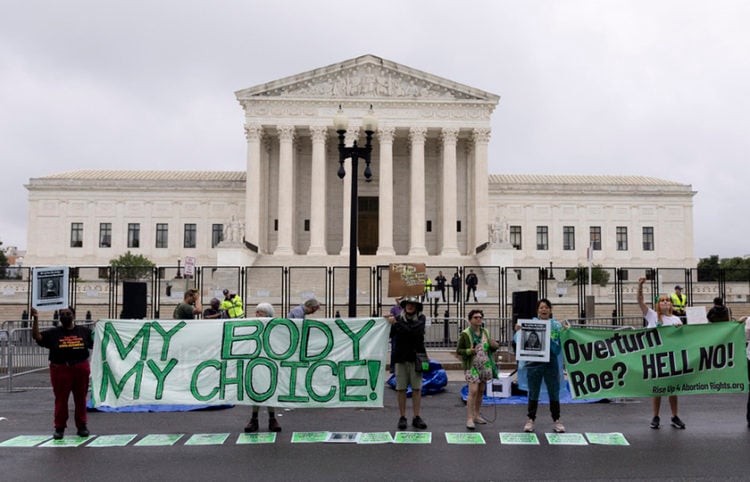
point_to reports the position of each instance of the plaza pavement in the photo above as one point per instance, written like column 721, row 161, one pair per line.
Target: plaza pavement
column 714, row 446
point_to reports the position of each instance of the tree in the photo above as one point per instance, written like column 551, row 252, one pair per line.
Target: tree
column 733, row 269
column 3, row 261
column 599, row 275
column 132, row 266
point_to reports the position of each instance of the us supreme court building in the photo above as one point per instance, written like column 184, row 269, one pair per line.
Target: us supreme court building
column 431, row 198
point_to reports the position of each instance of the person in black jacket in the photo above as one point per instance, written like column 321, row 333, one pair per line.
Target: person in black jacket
column 719, row 312
column 407, row 331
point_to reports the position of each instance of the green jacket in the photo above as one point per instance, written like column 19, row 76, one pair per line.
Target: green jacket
column 465, row 346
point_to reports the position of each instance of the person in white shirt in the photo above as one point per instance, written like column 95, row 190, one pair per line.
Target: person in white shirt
column 661, row 317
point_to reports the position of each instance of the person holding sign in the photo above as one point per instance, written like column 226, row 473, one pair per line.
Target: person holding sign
column 476, row 350
column 550, row 372
column 69, row 368
column 654, row 319
column 263, row 310
column 407, row 331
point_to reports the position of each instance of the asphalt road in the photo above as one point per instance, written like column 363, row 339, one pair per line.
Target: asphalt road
column 714, row 446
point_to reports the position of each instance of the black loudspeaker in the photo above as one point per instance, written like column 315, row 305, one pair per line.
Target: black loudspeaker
column 524, row 305
column 133, row 300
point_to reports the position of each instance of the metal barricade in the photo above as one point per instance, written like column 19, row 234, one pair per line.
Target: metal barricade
column 442, row 332
column 608, row 322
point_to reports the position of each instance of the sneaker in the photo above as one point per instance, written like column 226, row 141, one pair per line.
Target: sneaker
column 252, row 426
column 480, row 420
column 417, row 422
column 529, row 427
column 402, row 423
column 677, row 423
column 273, row 425
column 558, row 427
column 655, row 422
column 58, row 434
column 83, row 431
column 470, row 424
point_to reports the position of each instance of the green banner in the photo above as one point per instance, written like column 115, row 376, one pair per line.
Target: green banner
column 658, row 361
column 275, row 362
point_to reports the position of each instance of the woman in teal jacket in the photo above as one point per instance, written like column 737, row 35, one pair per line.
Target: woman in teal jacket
column 476, row 350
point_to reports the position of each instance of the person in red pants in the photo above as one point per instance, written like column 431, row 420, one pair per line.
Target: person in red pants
column 69, row 368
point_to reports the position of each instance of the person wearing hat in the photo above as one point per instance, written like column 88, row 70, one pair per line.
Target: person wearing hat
column 407, row 332
column 232, row 304
column 679, row 301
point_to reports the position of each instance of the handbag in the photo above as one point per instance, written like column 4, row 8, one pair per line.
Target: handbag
column 422, row 363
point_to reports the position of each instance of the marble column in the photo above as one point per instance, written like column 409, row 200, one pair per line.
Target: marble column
column 254, row 135
column 318, row 191
column 449, row 193
column 351, row 135
column 385, row 214
column 479, row 233
column 417, row 199
column 286, row 191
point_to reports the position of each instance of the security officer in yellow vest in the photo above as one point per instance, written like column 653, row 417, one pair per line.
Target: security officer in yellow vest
column 678, row 303
column 232, row 304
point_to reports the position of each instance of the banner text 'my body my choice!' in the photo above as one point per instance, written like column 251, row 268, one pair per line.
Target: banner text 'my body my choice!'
column 277, row 362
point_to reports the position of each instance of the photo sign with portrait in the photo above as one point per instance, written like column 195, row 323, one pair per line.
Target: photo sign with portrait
column 532, row 340
column 49, row 288
column 406, row 279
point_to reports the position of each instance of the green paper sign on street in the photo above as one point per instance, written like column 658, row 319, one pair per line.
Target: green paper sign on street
column 566, row 439
column 464, row 438
column 257, row 438
column 375, row 438
column 413, row 438
column 155, row 440
column 614, row 438
column 518, row 438
column 207, row 439
column 112, row 440
column 25, row 441
column 309, row 437
column 73, row 441
column 669, row 360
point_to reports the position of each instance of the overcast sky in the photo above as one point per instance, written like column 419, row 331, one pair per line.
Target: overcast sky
column 658, row 88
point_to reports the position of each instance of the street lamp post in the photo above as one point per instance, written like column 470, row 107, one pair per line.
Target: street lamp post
column 356, row 153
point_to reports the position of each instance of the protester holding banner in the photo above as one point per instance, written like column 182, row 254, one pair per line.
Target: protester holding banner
column 69, row 368
column 476, row 350
column 263, row 310
column 551, row 372
column 301, row 311
column 654, row 319
column 407, row 330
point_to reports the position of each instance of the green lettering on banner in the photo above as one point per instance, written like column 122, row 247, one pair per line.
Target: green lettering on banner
column 194, row 380
column 292, row 397
column 160, row 375
column 308, row 325
column 345, row 383
column 355, row 337
column 273, row 376
column 117, row 387
column 167, row 336
column 657, row 361
column 293, row 338
column 230, row 337
column 309, row 381
column 227, row 380
column 111, row 333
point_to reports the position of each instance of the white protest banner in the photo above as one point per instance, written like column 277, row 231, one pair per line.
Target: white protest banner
column 49, row 288
column 274, row 362
column 532, row 340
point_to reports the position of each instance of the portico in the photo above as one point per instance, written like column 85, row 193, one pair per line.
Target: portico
column 429, row 191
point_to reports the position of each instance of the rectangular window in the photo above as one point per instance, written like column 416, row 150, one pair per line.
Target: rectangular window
column 105, row 235
column 307, row 225
column 217, row 234
column 162, row 235
column 134, row 235
column 429, row 226
column 458, row 226
column 515, row 237
column 648, row 238
column 622, row 238
column 542, row 238
column 595, row 237
column 275, row 224
column 189, row 236
column 76, row 235
column 569, row 238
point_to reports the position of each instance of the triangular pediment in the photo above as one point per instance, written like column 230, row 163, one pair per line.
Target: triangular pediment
column 367, row 77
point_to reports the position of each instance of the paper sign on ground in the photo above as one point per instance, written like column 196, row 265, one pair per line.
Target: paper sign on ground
column 343, row 437
column 25, row 441
column 74, row 441
column 464, row 438
column 375, row 438
column 614, row 438
column 413, row 438
column 112, row 440
column 566, row 439
column 309, row 437
column 518, row 438
column 159, row 440
column 257, row 438
column 207, row 439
